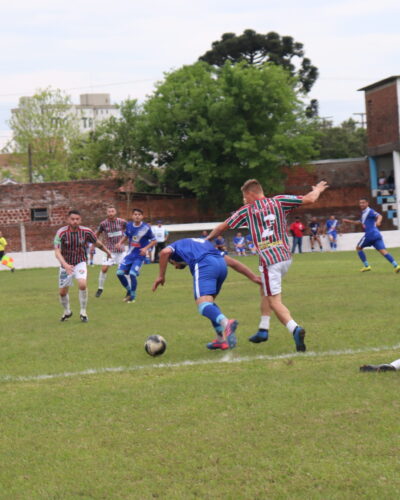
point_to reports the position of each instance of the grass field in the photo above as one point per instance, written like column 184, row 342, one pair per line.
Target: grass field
column 259, row 422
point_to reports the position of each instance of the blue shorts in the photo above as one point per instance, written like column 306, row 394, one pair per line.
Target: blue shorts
column 373, row 241
column 333, row 235
column 209, row 275
column 131, row 265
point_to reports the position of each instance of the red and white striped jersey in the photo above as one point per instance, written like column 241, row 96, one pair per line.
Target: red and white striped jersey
column 113, row 231
column 73, row 243
column 266, row 220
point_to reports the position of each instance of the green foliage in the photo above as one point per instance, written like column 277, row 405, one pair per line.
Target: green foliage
column 212, row 128
column 256, row 49
column 305, row 427
column 44, row 123
column 348, row 140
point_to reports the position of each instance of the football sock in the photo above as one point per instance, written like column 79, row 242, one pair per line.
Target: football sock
column 65, row 303
column 83, row 298
column 391, row 260
column 133, row 282
column 264, row 323
column 291, row 325
column 363, row 258
column 123, row 279
column 102, row 279
column 214, row 314
column 396, row 364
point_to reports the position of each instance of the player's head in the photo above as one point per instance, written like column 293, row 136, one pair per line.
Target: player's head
column 297, row 219
column 239, row 235
column 74, row 218
column 177, row 262
column 332, row 217
column 111, row 212
column 313, row 219
column 252, row 190
column 363, row 203
column 137, row 215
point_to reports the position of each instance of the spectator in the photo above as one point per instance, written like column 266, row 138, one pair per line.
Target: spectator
column 297, row 228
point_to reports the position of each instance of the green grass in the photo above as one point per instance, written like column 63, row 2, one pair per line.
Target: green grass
column 299, row 427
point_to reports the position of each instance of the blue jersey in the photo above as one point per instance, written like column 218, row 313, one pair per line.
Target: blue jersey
column 368, row 219
column 192, row 251
column 238, row 240
column 138, row 237
column 331, row 226
column 219, row 241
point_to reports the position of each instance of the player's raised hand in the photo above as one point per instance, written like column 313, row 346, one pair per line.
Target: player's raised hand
column 159, row 281
column 321, row 186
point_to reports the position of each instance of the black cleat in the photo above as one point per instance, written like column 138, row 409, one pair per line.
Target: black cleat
column 84, row 319
column 99, row 292
column 65, row 316
column 127, row 297
column 13, row 269
column 377, row 368
column 298, row 336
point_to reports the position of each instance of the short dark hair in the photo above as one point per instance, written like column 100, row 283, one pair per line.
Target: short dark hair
column 137, row 210
column 74, row 212
column 365, row 199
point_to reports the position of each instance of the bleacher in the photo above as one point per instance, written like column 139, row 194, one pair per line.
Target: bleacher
column 386, row 199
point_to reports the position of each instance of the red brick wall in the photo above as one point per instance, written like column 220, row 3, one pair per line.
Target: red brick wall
column 381, row 105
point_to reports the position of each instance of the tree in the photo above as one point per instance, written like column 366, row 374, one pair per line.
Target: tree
column 211, row 128
column 256, row 49
column 43, row 127
column 348, row 140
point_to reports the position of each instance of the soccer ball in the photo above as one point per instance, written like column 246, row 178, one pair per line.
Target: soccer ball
column 155, row 345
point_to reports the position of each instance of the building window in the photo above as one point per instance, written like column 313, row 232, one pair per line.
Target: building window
column 39, row 214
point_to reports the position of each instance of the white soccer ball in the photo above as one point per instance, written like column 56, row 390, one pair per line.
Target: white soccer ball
column 155, row 345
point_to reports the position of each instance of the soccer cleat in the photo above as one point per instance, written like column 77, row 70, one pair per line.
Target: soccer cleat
column 127, row 297
column 13, row 269
column 99, row 292
column 260, row 336
column 397, row 269
column 229, row 333
column 377, row 368
column 298, row 336
column 131, row 298
column 365, row 269
column 84, row 318
column 65, row 316
column 216, row 344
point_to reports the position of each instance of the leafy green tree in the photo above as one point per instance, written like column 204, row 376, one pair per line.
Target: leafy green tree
column 348, row 140
column 209, row 129
column 256, row 49
column 43, row 127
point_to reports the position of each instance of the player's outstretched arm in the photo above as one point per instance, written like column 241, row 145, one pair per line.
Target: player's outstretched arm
column 242, row 269
column 315, row 193
column 164, row 256
column 221, row 228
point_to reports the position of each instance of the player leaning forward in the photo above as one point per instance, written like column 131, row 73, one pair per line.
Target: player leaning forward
column 266, row 220
column 70, row 248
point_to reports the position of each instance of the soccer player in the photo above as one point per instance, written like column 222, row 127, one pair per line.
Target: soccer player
column 386, row 367
column 250, row 245
column 220, row 244
column 266, row 220
column 141, row 239
column 314, row 233
column 331, row 227
column 239, row 243
column 370, row 221
column 161, row 235
column 112, row 228
column 70, row 249
column 208, row 268
column 3, row 244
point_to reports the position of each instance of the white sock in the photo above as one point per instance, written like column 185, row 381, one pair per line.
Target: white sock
column 83, row 298
column 396, row 364
column 291, row 325
column 65, row 303
column 264, row 323
column 224, row 322
column 102, row 279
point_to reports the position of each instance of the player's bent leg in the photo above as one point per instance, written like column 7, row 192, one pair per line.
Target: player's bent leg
column 83, row 299
column 283, row 314
column 263, row 328
column 387, row 255
column 64, row 300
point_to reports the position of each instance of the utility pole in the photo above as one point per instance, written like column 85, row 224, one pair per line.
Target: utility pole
column 30, row 170
column 363, row 120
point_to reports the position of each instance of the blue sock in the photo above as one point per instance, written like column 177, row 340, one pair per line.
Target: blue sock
column 123, row 279
column 133, row 282
column 335, row 246
column 218, row 328
column 363, row 258
column 391, row 260
column 212, row 312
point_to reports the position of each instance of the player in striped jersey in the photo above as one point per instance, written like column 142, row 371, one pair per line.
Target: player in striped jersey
column 266, row 220
column 70, row 249
column 113, row 229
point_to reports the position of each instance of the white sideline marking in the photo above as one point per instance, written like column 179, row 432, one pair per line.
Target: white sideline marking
column 227, row 358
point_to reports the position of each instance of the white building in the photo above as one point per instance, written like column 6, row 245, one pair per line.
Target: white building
column 93, row 109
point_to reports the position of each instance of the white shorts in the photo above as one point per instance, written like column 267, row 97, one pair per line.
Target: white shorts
column 271, row 277
column 80, row 273
column 117, row 258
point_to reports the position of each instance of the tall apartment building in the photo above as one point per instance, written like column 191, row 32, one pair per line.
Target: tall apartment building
column 93, row 109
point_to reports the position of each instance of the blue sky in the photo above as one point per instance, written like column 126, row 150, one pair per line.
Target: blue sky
column 123, row 47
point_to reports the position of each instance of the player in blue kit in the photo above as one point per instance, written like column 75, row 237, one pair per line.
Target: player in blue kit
column 209, row 270
column 141, row 239
column 371, row 220
column 331, row 228
column 239, row 243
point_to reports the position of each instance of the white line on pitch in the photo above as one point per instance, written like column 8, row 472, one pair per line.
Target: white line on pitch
column 227, row 358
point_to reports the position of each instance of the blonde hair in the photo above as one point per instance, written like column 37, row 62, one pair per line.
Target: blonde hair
column 252, row 185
